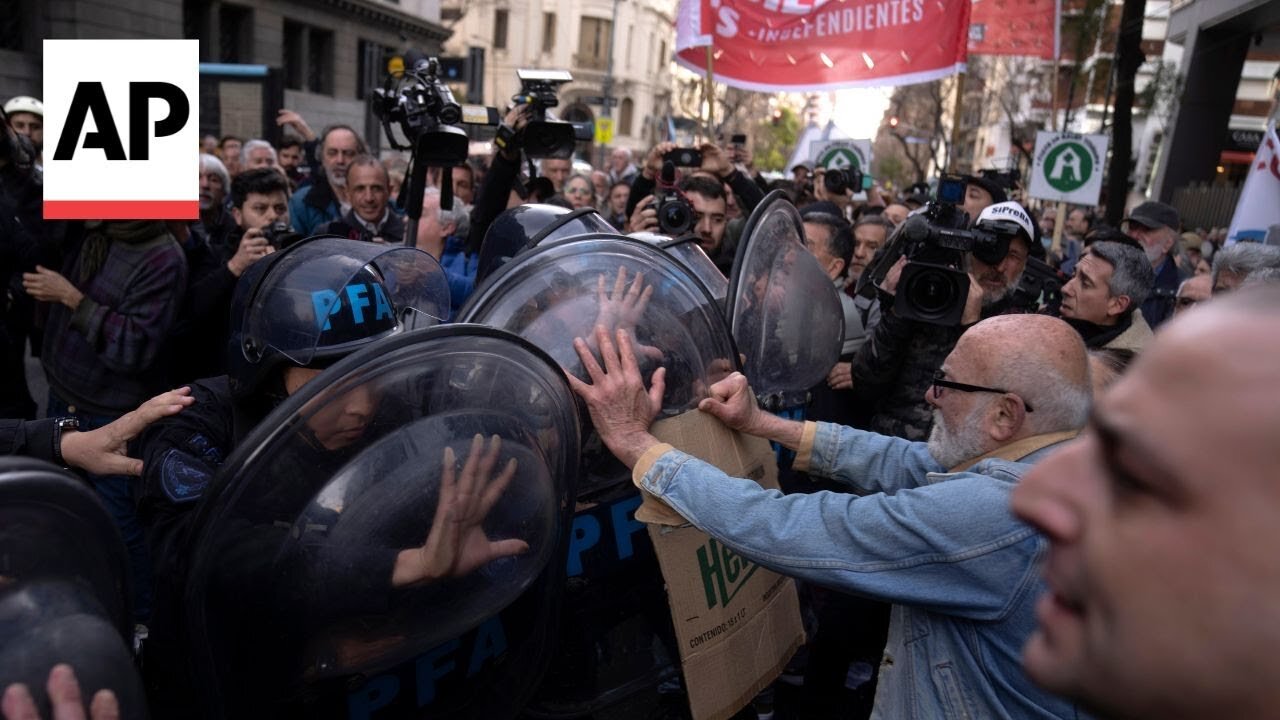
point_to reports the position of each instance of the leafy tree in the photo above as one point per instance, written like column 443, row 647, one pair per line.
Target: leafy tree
column 776, row 138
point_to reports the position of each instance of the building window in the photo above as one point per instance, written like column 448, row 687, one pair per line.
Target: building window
column 308, row 58
column 548, row 32
column 625, row 111
column 235, row 34
column 593, row 43
column 500, row 29
column 662, row 56
column 320, row 62
column 371, row 67
column 295, row 57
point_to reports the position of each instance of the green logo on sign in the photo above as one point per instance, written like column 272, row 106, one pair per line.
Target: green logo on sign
column 839, row 158
column 1068, row 167
column 724, row 572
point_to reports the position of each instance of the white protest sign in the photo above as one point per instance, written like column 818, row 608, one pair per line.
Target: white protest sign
column 1068, row 167
column 841, row 154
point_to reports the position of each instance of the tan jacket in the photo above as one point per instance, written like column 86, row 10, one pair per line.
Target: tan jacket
column 1135, row 338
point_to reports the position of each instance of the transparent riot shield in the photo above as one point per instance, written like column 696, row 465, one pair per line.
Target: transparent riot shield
column 63, row 587
column 617, row 643
column 687, row 250
column 526, row 226
column 386, row 543
column 783, row 309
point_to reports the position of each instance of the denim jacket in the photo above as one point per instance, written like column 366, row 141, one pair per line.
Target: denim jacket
column 943, row 547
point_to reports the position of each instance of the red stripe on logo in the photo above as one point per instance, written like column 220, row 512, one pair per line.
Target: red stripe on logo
column 121, row 209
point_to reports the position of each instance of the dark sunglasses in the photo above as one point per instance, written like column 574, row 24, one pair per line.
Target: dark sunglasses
column 940, row 381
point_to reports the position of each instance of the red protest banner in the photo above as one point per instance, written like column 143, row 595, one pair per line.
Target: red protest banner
column 1014, row 27
column 811, row 45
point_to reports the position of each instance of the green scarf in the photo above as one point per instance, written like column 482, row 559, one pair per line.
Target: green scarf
column 99, row 234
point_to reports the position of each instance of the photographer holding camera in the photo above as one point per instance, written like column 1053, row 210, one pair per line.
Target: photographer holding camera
column 196, row 345
column 654, row 203
column 926, row 308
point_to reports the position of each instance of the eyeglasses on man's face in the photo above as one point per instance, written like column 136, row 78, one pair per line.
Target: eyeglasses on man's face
column 940, row 381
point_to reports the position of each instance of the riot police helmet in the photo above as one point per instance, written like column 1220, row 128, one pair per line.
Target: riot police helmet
column 323, row 298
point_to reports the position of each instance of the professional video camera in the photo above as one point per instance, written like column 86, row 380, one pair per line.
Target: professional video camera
column 934, row 284
column 675, row 214
column 837, row 182
column 422, row 105
column 545, row 138
column 416, row 100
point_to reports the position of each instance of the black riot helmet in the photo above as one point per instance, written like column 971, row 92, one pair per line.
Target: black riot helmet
column 63, row 587
column 321, row 299
column 525, row 226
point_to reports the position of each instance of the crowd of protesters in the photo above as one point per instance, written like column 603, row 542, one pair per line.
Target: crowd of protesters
column 118, row 311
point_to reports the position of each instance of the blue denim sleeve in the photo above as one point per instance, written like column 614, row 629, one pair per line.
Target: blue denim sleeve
column 951, row 546
column 867, row 461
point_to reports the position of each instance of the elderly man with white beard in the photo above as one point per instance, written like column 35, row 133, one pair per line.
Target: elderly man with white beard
column 929, row 530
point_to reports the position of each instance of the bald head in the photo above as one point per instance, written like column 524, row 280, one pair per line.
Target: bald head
column 1039, row 358
column 1222, row 346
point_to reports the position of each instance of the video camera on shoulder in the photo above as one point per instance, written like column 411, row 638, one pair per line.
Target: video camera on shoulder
column 544, row 138
column 934, row 284
column 421, row 105
column 838, row 182
column 675, row 214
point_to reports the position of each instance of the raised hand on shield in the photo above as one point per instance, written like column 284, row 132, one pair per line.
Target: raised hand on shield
column 457, row 543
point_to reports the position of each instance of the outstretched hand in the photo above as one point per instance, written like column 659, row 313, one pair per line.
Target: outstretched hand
column 102, row 451
column 621, row 408
column 64, row 699
column 457, row 543
column 622, row 307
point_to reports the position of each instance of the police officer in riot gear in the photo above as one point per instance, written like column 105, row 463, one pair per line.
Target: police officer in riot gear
column 64, row 600
column 293, row 314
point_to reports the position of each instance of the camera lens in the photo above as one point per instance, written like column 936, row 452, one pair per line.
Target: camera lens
column 675, row 218
column 835, row 182
column 933, row 293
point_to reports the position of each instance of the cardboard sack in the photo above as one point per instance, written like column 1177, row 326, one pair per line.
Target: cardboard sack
column 737, row 624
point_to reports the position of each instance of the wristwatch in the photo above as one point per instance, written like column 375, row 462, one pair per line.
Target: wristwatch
column 59, row 425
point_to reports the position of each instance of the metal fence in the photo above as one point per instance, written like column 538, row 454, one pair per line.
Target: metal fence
column 1206, row 205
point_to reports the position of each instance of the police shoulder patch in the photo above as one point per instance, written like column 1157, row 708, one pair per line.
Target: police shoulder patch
column 184, row 476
